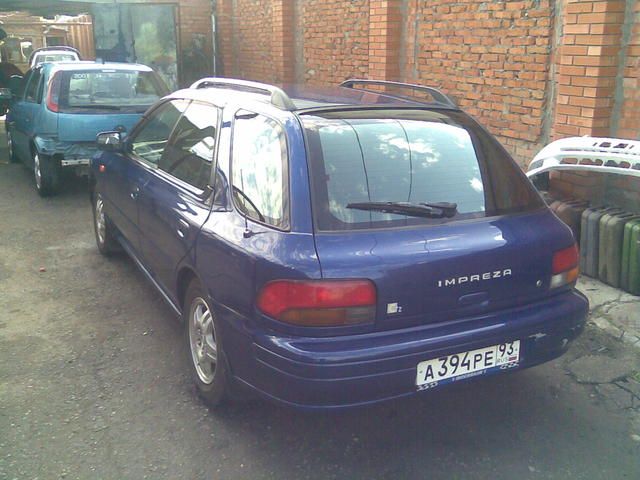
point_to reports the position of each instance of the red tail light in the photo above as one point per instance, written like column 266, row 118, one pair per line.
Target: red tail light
column 565, row 266
column 53, row 93
column 319, row 303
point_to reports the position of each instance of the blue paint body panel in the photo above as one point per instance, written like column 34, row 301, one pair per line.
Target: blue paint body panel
column 505, row 259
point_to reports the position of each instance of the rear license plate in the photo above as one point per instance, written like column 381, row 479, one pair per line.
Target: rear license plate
column 459, row 366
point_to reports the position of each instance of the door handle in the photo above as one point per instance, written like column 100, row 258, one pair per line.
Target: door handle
column 135, row 193
column 183, row 228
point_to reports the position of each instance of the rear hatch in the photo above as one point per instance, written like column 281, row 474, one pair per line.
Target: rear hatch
column 491, row 250
column 93, row 101
column 76, row 128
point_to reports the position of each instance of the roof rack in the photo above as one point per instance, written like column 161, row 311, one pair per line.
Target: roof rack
column 278, row 97
column 437, row 95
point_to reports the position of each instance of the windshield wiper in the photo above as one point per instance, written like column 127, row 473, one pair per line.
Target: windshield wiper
column 427, row 210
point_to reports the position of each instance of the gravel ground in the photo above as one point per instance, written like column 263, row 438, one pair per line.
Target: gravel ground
column 93, row 385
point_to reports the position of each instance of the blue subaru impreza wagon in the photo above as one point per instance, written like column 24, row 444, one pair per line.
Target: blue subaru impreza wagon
column 336, row 247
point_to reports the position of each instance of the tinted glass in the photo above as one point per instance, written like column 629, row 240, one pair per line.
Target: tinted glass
column 110, row 90
column 31, row 94
column 190, row 152
column 409, row 156
column 149, row 142
column 259, row 169
column 54, row 57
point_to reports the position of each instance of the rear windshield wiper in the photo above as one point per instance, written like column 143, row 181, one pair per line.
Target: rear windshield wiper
column 98, row 106
column 428, row 210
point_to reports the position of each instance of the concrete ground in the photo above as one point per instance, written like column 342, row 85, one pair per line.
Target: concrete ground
column 93, row 385
column 613, row 310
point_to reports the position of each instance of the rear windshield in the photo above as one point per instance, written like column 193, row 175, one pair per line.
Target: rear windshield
column 54, row 57
column 110, row 90
column 412, row 156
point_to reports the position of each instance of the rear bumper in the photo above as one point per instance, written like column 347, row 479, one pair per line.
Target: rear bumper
column 71, row 154
column 337, row 372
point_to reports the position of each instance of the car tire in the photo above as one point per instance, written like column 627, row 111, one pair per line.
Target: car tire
column 46, row 174
column 13, row 158
column 207, row 362
column 103, row 228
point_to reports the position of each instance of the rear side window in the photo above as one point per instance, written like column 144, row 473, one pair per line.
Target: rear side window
column 189, row 154
column 149, row 142
column 413, row 157
column 259, row 169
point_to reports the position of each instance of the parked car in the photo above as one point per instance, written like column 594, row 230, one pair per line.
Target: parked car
column 338, row 247
column 58, row 109
column 53, row 54
column 7, row 70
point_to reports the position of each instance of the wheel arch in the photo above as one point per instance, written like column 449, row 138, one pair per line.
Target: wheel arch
column 186, row 274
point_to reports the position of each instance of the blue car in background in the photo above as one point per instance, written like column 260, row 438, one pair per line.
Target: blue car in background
column 328, row 248
column 57, row 110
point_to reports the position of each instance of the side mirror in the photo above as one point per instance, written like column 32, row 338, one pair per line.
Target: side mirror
column 110, row 141
column 15, row 84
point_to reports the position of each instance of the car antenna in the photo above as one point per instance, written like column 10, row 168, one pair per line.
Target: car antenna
column 247, row 233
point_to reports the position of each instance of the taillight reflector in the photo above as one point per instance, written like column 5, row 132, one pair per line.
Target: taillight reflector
column 566, row 259
column 565, row 267
column 319, row 303
column 53, row 93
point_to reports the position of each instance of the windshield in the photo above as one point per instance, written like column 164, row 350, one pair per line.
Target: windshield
column 110, row 90
column 410, row 156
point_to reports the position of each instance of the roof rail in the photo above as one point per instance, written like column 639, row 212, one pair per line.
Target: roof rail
column 437, row 95
column 278, row 97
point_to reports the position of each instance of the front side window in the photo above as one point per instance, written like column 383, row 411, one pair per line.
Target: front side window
column 411, row 159
column 259, row 169
column 189, row 154
column 149, row 142
column 31, row 94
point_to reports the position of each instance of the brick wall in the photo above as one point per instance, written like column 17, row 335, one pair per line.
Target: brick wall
column 335, row 40
column 253, row 34
column 494, row 57
column 598, row 89
column 530, row 70
column 195, row 39
column 629, row 93
column 625, row 191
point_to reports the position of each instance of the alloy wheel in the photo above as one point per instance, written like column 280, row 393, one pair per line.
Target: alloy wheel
column 202, row 340
column 9, row 145
column 101, row 226
column 36, row 171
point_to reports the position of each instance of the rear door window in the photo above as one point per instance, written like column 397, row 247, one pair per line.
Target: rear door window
column 189, row 154
column 259, row 169
column 413, row 157
column 149, row 142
